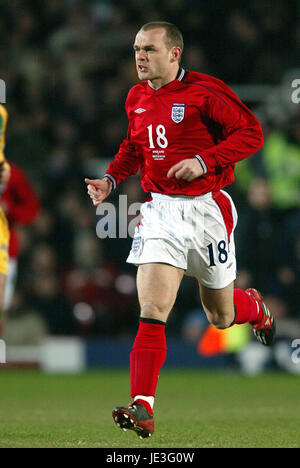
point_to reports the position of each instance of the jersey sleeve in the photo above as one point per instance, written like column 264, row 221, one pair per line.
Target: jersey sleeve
column 126, row 161
column 3, row 123
column 242, row 134
column 20, row 198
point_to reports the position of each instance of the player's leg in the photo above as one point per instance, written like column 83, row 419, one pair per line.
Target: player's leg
column 2, row 310
column 250, row 307
column 157, row 285
column 4, row 243
column 213, row 263
column 10, row 284
column 228, row 306
column 218, row 305
column 224, row 307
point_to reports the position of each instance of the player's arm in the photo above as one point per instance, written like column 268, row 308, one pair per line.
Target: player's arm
column 125, row 164
column 187, row 169
column 4, row 166
column 98, row 189
column 242, row 132
column 20, row 201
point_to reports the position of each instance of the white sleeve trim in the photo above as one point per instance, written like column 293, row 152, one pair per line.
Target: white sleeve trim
column 113, row 180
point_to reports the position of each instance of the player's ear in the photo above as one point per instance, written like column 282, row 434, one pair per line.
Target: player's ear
column 175, row 54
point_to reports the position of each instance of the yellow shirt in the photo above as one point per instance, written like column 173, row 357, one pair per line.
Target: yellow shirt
column 3, row 123
column 4, row 231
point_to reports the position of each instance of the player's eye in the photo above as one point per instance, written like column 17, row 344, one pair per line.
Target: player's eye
column 147, row 49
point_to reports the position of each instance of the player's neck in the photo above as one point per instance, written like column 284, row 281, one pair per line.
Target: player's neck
column 163, row 81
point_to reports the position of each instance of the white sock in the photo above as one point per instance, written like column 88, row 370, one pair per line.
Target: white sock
column 149, row 399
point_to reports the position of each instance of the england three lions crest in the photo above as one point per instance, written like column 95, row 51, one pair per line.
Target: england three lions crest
column 178, row 110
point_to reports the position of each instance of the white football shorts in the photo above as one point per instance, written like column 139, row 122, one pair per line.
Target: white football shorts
column 191, row 233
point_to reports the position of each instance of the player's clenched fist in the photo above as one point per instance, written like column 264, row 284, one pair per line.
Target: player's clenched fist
column 98, row 189
column 187, row 169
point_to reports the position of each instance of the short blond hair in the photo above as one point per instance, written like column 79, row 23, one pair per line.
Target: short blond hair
column 174, row 37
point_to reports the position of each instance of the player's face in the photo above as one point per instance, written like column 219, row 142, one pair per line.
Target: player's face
column 153, row 59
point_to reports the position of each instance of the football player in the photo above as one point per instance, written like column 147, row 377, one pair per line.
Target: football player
column 4, row 230
column 186, row 132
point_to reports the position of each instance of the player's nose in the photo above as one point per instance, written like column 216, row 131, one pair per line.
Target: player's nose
column 141, row 55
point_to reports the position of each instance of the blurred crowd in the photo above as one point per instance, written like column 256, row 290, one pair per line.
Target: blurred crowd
column 68, row 67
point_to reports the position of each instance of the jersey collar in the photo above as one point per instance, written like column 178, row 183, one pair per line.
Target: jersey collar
column 181, row 74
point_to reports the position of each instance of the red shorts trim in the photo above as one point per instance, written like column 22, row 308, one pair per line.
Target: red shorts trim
column 226, row 210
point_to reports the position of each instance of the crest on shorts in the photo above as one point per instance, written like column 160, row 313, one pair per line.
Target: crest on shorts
column 177, row 114
column 136, row 244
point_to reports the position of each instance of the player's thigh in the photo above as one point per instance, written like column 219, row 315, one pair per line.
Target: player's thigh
column 218, row 304
column 2, row 289
column 157, row 285
column 4, row 246
column 10, row 285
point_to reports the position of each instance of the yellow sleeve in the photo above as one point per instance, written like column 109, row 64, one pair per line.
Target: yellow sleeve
column 3, row 123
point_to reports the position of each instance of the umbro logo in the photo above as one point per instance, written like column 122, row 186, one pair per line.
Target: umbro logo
column 140, row 110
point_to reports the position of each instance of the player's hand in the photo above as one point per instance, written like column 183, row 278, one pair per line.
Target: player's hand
column 98, row 189
column 187, row 169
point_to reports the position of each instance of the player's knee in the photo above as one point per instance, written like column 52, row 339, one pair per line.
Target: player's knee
column 220, row 319
column 154, row 310
column 222, row 323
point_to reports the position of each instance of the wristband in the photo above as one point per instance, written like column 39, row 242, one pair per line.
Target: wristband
column 112, row 179
column 202, row 162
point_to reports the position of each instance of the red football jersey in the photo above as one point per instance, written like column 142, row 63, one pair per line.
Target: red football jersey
column 195, row 115
column 20, row 204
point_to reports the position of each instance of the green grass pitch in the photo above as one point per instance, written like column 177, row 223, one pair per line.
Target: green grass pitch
column 194, row 409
